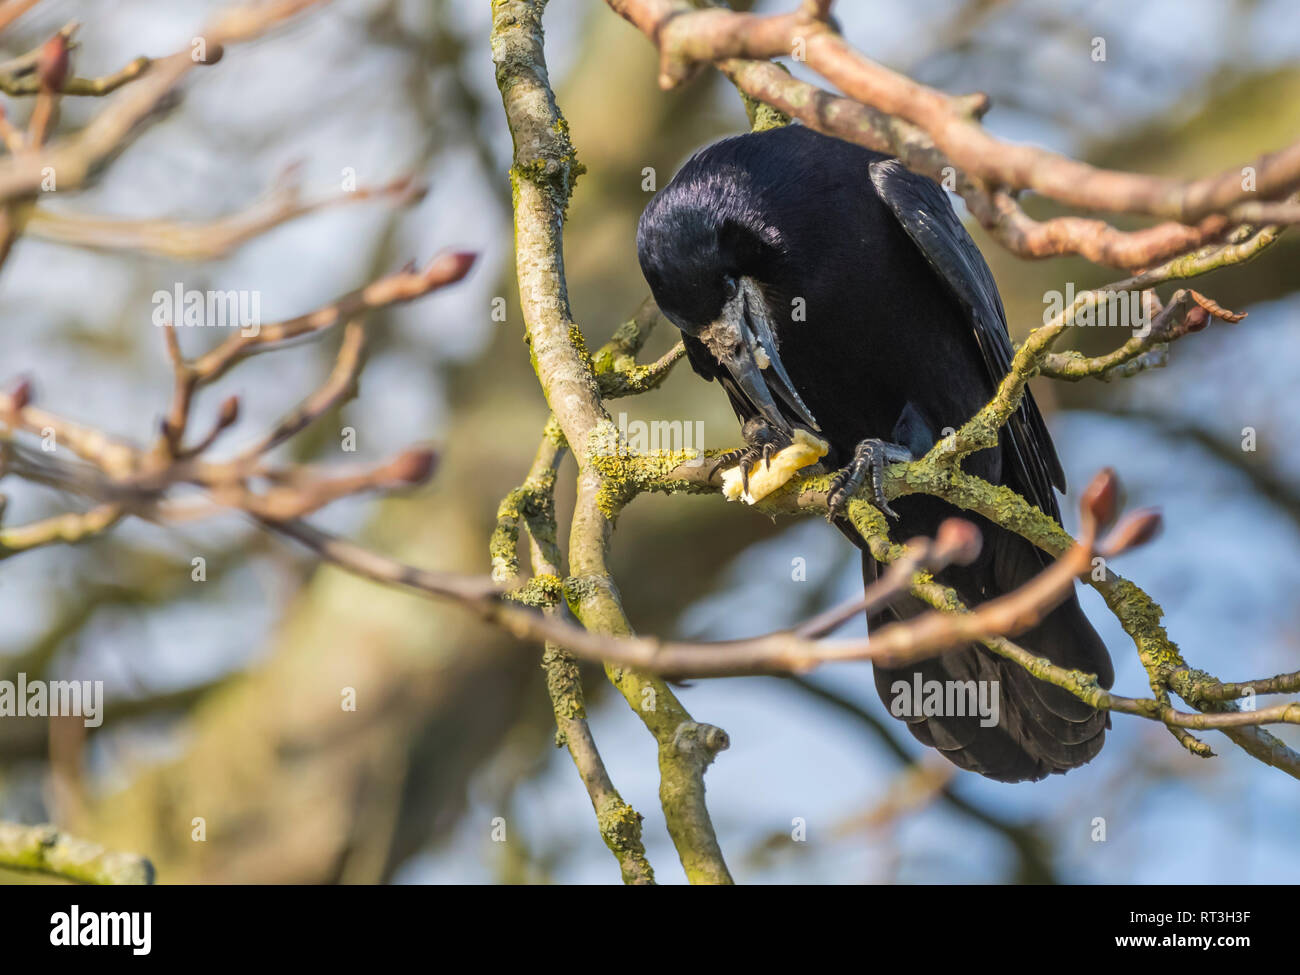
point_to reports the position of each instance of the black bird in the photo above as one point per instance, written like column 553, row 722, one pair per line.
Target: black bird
column 826, row 286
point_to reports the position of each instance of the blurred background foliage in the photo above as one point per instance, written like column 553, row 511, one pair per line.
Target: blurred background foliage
column 224, row 696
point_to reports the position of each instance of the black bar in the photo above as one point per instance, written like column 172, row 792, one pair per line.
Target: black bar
column 333, row 925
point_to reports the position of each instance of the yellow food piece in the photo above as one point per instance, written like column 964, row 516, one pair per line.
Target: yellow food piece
column 764, row 479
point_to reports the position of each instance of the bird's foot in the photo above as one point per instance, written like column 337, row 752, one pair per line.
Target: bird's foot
column 761, row 442
column 764, row 467
column 867, row 466
column 748, row 458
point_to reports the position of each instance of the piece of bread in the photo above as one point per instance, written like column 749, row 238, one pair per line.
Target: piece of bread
column 764, row 479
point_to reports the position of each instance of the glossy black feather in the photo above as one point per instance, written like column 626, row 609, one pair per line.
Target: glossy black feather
column 890, row 326
column 925, row 213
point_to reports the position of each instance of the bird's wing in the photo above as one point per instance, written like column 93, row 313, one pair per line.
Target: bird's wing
column 927, row 216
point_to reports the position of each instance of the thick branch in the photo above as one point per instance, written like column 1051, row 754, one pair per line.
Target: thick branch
column 545, row 167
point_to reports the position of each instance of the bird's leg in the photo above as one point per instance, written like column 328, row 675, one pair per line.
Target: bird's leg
column 761, row 442
column 868, row 464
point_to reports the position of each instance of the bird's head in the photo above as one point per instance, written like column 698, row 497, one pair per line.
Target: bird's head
column 709, row 254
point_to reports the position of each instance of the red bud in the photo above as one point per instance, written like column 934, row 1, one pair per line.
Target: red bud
column 957, row 541
column 450, row 267
column 1100, row 499
column 1196, row 319
column 1137, row 528
column 52, row 63
column 414, row 466
column 20, row 395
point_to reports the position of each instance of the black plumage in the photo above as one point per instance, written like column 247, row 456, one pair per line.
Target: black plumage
column 824, row 284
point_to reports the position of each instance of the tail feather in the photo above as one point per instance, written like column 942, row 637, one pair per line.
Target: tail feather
column 1041, row 729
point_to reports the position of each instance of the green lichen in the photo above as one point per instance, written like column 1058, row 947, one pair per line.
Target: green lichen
column 620, row 824
column 577, row 591
column 539, row 592
column 626, row 473
column 1140, row 616
column 579, row 343
column 555, row 173
column 563, row 683
column 763, row 116
column 614, row 354
column 553, row 433
column 620, row 827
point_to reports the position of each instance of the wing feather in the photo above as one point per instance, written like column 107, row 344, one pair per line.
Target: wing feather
column 927, row 216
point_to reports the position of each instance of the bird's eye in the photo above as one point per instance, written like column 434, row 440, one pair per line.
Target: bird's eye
column 729, row 285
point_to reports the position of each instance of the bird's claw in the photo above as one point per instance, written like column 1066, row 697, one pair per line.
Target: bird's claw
column 729, row 459
column 761, row 444
column 867, row 465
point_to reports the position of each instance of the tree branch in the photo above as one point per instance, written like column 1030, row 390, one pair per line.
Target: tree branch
column 48, row 850
column 544, row 169
column 940, row 135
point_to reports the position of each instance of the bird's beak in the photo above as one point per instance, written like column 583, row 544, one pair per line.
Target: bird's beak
column 742, row 340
